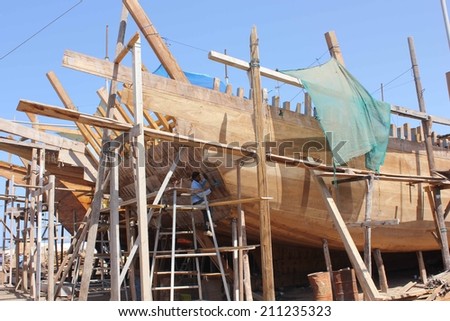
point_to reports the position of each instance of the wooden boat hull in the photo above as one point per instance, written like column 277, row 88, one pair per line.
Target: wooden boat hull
column 298, row 212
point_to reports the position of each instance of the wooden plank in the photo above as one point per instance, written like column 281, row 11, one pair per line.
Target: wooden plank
column 364, row 278
column 60, row 113
column 244, row 65
column 128, row 47
column 33, row 134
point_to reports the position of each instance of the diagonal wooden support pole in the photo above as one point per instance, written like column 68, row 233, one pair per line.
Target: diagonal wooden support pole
column 364, row 278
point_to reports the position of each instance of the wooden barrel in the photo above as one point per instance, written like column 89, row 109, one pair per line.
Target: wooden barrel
column 345, row 285
column 321, row 285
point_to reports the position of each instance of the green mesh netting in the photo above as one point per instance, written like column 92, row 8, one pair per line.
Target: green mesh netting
column 353, row 121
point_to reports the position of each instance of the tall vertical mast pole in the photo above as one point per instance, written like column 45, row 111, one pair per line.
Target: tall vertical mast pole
column 426, row 125
column 264, row 209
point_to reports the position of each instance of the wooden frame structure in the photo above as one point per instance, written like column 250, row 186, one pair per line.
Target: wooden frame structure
column 111, row 120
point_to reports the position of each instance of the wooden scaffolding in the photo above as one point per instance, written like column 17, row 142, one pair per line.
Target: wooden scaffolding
column 132, row 273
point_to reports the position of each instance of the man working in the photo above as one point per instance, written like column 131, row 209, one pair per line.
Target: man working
column 201, row 189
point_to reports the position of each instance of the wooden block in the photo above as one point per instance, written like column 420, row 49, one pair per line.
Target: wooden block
column 393, row 131
column 275, row 101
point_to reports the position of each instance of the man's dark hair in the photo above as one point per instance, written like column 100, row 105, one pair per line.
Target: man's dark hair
column 195, row 175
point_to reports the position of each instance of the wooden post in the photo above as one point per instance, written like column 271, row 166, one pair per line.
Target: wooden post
column 333, row 47
column 31, row 265
column 141, row 189
column 51, row 239
column 236, row 275
column 244, row 266
column 264, row 210
column 308, row 105
column 326, row 253
column 114, row 242
column 422, row 269
column 39, row 224
column 131, row 236
column 426, row 125
column 381, row 271
column 367, row 227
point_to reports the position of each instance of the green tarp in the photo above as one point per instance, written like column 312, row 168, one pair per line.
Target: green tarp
column 353, row 121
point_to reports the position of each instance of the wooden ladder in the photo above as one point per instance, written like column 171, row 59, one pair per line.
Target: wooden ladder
column 185, row 260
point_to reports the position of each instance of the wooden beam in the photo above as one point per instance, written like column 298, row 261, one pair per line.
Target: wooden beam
column 333, row 47
column 154, row 39
column 33, row 134
column 125, row 50
column 244, row 65
column 73, row 115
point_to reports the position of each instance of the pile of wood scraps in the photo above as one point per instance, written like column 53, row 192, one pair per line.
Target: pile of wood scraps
column 436, row 289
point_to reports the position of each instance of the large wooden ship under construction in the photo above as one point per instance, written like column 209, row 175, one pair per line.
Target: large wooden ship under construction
column 284, row 193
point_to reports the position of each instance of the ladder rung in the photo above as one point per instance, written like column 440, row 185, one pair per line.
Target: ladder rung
column 177, row 232
column 180, row 287
column 167, row 256
column 177, row 272
column 211, row 274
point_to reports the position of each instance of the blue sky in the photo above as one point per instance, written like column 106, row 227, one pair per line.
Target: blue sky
column 372, row 36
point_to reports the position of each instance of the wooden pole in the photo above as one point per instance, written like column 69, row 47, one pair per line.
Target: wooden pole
column 368, row 228
column 31, row 265
column 426, row 125
column 326, row 253
column 39, row 225
column 244, row 265
column 381, row 271
column 264, row 209
column 130, row 232
column 114, row 242
column 141, row 189
column 51, row 239
column 236, row 274
column 422, row 269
